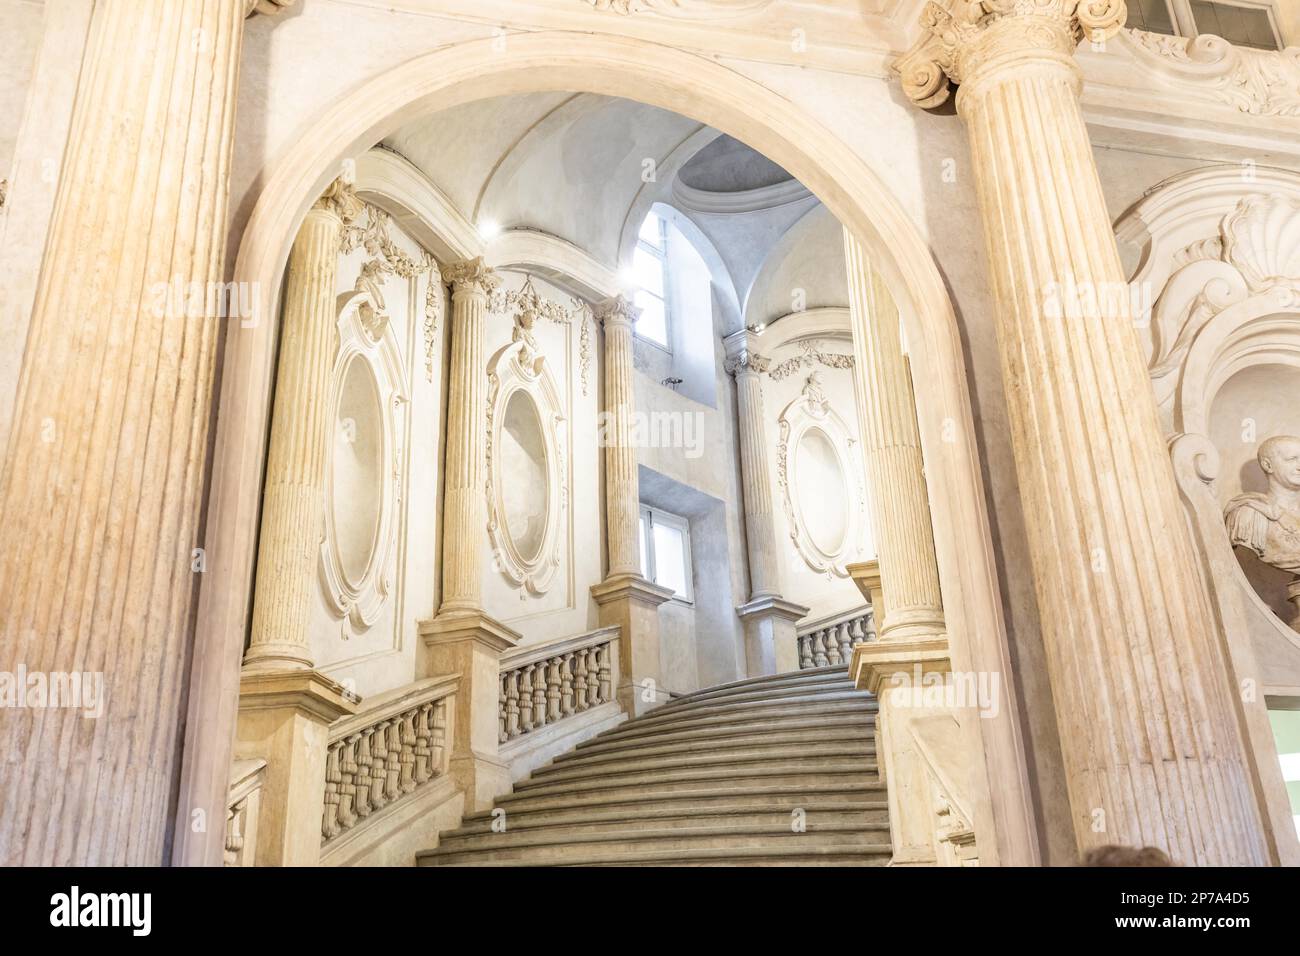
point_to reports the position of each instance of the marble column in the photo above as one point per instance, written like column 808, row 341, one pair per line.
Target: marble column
column 285, row 706
column 891, row 445
column 771, row 639
column 1153, row 749
column 462, row 639
column 102, row 483
column 293, row 494
column 625, row 598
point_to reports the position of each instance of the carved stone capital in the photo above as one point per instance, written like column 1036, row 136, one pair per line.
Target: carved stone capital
column 471, row 275
column 618, row 309
column 267, row 7
column 747, row 360
column 968, row 40
column 340, row 198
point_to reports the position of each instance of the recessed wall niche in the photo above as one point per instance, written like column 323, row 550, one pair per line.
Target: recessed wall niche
column 369, row 397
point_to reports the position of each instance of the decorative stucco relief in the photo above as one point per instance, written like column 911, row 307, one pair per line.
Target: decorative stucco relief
column 526, row 300
column 371, row 233
column 363, row 500
column 1260, row 82
column 811, row 354
column 814, row 471
column 527, row 485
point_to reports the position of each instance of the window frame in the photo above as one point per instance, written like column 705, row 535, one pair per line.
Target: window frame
column 649, row 517
column 660, row 253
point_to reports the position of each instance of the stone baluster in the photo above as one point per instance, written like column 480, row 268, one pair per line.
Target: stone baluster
column 333, row 777
column 553, row 711
column 805, row 651
column 1153, row 749
column 363, row 777
column 348, row 770
column 566, row 685
column 423, row 763
column 526, row 700
column 502, row 693
column 580, row 682
column 512, row 705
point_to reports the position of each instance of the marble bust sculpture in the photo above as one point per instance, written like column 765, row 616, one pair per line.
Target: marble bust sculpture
column 1269, row 523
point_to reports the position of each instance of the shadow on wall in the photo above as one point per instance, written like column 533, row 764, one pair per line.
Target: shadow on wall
column 701, row 642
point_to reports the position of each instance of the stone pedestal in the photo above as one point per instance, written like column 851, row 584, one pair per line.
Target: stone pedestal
column 284, row 719
column 102, row 486
column 471, row 645
column 631, row 603
column 771, row 635
column 1150, row 733
column 866, row 575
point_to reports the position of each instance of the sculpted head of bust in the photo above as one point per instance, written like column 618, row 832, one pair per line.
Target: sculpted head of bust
column 1279, row 458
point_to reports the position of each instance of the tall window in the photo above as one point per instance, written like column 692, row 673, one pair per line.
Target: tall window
column 666, row 551
column 650, row 273
column 1241, row 22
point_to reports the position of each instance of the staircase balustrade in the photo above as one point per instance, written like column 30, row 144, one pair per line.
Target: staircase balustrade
column 541, row 686
column 829, row 641
column 385, row 752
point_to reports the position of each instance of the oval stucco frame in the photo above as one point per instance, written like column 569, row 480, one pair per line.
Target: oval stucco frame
column 709, row 92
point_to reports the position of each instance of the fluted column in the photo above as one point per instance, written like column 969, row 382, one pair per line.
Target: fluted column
column 462, row 639
column 102, row 482
column 293, row 496
column 625, row 598
column 1153, row 750
column 771, row 641
column 622, row 490
column 748, row 366
column 465, row 519
column 892, row 445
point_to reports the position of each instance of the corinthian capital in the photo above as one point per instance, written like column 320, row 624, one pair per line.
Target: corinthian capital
column 747, row 360
column 340, row 198
column 617, row 309
column 961, row 39
column 471, row 275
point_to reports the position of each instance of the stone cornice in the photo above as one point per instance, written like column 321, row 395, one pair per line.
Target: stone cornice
column 969, row 39
column 471, row 275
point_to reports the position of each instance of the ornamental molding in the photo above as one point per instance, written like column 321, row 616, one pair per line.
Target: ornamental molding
column 1258, row 82
column 811, row 354
column 527, row 305
column 358, row 601
column 747, row 360
column 682, row 9
column 813, row 410
column 521, row 367
column 385, row 257
column 960, row 38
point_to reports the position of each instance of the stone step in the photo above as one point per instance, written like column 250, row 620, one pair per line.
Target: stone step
column 761, row 794
column 543, row 847
column 737, row 715
column 685, row 814
column 873, row 855
column 797, row 755
column 828, row 678
column 722, row 735
column 827, row 773
column 784, row 695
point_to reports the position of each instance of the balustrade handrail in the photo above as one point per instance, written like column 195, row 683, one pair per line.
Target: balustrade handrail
column 839, row 617
column 523, row 656
column 829, row 641
column 388, row 750
column 391, row 703
column 242, row 808
column 541, row 686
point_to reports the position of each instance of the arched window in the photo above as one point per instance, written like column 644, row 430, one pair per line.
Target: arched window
column 650, row 276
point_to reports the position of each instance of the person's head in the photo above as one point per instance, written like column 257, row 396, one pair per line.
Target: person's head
column 1279, row 457
column 1126, row 856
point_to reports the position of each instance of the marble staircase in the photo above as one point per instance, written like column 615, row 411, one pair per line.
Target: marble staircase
column 775, row 771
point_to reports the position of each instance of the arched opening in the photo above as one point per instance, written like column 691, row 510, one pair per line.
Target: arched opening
column 710, row 93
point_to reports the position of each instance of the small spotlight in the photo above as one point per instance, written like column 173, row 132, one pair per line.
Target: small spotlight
column 758, row 328
column 489, row 228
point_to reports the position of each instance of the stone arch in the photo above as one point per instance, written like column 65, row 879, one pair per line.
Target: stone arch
column 725, row 99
